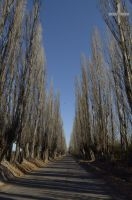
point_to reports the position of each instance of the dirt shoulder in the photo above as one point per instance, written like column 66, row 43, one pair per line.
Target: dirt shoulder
column 9, row 170
column 119, row 178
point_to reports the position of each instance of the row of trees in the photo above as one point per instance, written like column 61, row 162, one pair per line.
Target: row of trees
column 103, row 114
column 30, row 117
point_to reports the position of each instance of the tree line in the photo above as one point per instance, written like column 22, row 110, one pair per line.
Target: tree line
column 102, row 126
column 30, row 116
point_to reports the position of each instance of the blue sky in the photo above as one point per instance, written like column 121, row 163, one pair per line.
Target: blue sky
column 67, row 28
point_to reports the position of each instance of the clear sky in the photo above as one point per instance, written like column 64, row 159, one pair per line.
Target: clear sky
column 67, row 28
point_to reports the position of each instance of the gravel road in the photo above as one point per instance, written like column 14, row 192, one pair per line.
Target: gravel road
column 62, row 179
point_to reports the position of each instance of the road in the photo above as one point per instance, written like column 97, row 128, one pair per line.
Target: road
column 62, row 179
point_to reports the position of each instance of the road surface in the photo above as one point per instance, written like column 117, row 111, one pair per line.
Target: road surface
column 62, row 179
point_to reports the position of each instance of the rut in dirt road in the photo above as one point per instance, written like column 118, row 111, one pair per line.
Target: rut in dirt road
column 62, row 179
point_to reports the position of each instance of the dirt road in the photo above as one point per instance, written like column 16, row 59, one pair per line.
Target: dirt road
column 62, row 179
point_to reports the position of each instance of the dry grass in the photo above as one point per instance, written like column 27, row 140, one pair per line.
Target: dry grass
column 38, row 163
column 12, row 168
column 8, row 171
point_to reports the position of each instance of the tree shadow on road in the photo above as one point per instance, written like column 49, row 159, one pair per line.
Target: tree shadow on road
column 66, row 183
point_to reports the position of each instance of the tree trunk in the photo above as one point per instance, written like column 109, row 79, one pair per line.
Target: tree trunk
column 38, row 152
column 17, row 152
column 9, row 153
column 27, row 151
column 46, row 155
column 33, row 140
